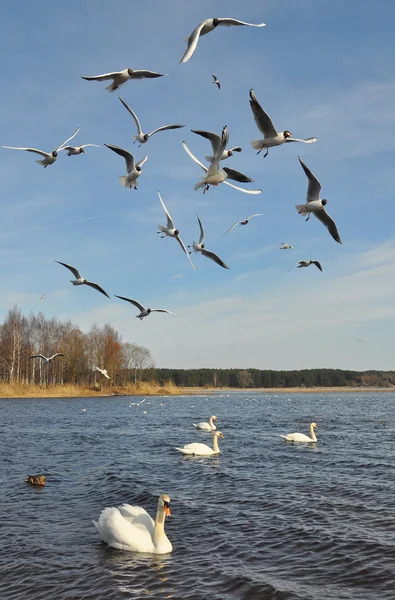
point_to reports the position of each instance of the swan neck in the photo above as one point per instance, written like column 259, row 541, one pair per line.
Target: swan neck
column 312, row 434
column 211, row 423
column 215, row 444
column 159, row 526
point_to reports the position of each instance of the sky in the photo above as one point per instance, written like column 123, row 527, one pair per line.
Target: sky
column 318, row 68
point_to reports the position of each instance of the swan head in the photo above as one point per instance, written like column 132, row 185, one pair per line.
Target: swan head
column 164, row 503
column 214, row 418
column 314, row 426
column 218, row 434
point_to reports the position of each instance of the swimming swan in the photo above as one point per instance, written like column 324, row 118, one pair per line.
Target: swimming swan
column 301, row 437
column 206, row 426
column 131, row 528
column 197, row 449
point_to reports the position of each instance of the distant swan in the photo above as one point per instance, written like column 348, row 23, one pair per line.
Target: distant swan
column 198, row 449
column 206, row 426
column 131, row 528
column 301, row 437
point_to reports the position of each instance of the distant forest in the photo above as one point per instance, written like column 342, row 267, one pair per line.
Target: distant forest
column 258, row 378
column 21, row 337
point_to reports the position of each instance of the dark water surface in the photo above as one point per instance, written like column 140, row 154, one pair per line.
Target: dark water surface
column 264, row 520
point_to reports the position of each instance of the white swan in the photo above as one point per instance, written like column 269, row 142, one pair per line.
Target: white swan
column 131, row 528
column 197, row 449
column 206, row 426
column 301, row 437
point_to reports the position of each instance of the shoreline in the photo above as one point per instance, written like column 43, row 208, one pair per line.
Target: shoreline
column 18, row 392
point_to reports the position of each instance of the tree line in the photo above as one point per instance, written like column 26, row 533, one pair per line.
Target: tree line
column 21, row 337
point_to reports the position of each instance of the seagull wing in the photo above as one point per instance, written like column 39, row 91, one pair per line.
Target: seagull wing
column 314, row 188
column 74, row 271
column 201, row 230
column 143, row 74
column 254, row 215
column 97, row 287
column 309, row 140
column 192, row 42
column 164, row 128
column 161, row 310
column 104, row 77
column 317, row 264
column 237, row 176
column 28, row 150
column 38, row 356
column 233, row 226
column 242, row 189
column 227, row 22
column 214, row 257
column 329, row 223
column 170, row 223
column 214, row 139
column 262, row 119
column 142, row 161
column 57, row 354
column 214, row 167
column 134, row 116
column 134, row 302
column 129, row 158
column 86, row 145
column 68, row 139
column 197, row 161
column 179, row 240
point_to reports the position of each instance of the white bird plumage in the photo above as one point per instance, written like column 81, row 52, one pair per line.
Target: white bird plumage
column 171, row 231
column 144, row 312
column 47, row 360
column 200, row 247
column 215, row 141
column 79, row 280
column 301, row 437
column 49, row 157
column 120, row 77
column 198, row 449
column 133, row 169
column 271, row 137
column 209, row 25
column 131, row 528
column 206, row 426
column 142, row 137
column 221, row 178
column 75, row 150
column 243, row 222
column 103, row 372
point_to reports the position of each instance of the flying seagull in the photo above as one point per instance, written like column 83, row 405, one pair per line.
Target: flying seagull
column 307, row 263
column 103, row 372
column 171, row 231
column 133, row 169
column 200, row 247
column 42, row 297
column 215, row 141
column 243, row 222
column 271, row 137
column 120, row 77
column 285, row 246
column 74, row 150
column 44, row 358
column 315, row 205
column 216, row 81
column 144, row 137
column 79, row 280
column 144, row 312
column 220, row 177
column 49, row 157
column 209, row 25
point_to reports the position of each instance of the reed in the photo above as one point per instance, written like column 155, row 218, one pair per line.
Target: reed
column 21, row 390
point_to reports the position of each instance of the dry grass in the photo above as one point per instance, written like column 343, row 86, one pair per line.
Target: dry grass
column 20, row 390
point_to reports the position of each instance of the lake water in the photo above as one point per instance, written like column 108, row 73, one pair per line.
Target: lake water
column 264, row 520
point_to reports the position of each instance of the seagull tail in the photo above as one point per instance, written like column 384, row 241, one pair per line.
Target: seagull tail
column 301, row 208
column 111, row 87
column 123, row 180
column 257, row 144
column 199, row 185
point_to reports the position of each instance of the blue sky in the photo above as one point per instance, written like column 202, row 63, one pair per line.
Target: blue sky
column 319, row 69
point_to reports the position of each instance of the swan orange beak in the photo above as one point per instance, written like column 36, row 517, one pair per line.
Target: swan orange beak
column 167, row 510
